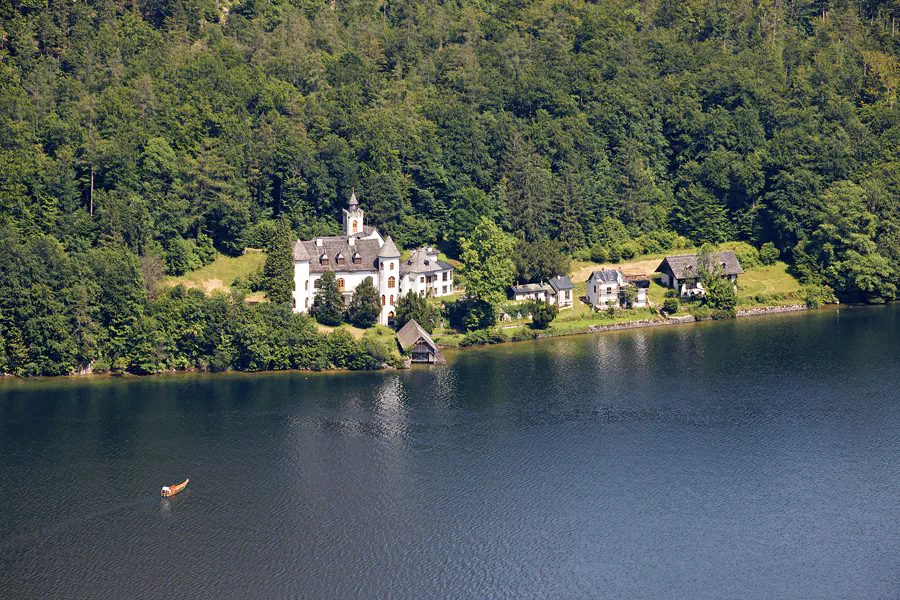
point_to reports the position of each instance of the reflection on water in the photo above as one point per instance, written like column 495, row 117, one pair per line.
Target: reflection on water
column 750, row 459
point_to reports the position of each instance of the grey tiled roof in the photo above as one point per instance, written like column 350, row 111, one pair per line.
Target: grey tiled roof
column 685, row 266
column 300, row 252
column 331, row 247
column 561, row 283
column 418, row 262
column 605, row 276
column 389, row 250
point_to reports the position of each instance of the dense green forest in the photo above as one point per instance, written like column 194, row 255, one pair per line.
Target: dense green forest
column 139, row 136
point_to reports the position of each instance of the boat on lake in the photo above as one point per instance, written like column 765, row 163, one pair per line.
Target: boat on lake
column 171, row 491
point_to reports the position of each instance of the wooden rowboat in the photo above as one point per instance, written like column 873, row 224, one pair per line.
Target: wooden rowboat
column 171, row 491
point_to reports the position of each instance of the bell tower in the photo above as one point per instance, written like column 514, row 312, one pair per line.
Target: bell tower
column 353, row 217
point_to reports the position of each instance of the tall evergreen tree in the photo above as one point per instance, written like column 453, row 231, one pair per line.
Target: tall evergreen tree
column 487, row 262
column 413, row 307
column 364, row 309
column 278, row 270
column 328, row 306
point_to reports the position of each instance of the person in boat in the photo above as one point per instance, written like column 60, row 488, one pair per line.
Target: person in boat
column 165, row 491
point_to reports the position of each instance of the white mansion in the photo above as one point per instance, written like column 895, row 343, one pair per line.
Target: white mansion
column 361, row 252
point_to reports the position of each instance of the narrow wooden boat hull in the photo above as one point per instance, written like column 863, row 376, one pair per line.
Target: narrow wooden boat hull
column 175, row 489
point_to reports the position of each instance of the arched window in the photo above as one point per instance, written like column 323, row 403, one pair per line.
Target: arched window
column 340, row 283
column 391, row 315
column 391, row 267
column 306, row 287
column 306, row 303
column 382, row 300
column 382, row 266
column 392, row 300
column 392, row 282
column 316, row 284
column 354, row 227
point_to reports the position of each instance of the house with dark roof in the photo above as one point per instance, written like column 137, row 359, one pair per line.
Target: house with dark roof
column 360, row 253
column 682, row 273
column 607, row 286
column 424, row 350
column 528, row 291
column 557, row 291
column 560, row 292
column 425, row 275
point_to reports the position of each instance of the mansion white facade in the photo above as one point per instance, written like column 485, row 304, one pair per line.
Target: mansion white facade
column 361, row 252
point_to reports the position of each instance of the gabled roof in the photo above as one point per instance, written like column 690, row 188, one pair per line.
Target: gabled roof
column 419, row 262
column 685, row 266
column 333, row 246
column 411, row 333
column 561, row 283
column 389, row 250
column 607, row 276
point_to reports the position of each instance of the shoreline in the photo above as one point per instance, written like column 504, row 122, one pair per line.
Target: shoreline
column 540, row 335
column 653, row 322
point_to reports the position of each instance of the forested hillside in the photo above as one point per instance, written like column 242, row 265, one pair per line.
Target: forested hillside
column 139, row 136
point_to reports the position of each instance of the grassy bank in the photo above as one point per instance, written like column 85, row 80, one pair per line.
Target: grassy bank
column 219, row 274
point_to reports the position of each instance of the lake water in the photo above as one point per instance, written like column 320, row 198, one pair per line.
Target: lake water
column 757, row 458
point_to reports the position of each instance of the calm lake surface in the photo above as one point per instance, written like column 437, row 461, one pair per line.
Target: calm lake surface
column 749, row 459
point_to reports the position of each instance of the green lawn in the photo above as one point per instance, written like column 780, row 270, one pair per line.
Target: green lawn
column 221, row 272
column 765, row 281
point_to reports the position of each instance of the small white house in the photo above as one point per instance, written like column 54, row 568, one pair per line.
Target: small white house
column 528, row 291
column 608, row 286
column 560, row 292
column 425, row 275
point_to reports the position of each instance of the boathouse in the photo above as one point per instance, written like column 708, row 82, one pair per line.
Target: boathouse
column 424, row 350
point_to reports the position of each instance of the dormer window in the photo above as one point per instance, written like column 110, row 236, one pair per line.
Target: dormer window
column 427, row 263
column 339, row 259
column 356, row 259
column 323, row 260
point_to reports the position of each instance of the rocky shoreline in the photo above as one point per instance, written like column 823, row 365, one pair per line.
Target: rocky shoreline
column 678, row 320
column 770, row 310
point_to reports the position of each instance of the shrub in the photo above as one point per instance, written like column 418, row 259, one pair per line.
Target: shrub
column 670, row 293
column 670, row 305
column 768, row 254
column 542, row 314
column 181, row 256
column 483, row 337
column 630, row 292
column 599, row 253
column 745, row 253
column 815, row 295
column 523, row 334
column 470, row 314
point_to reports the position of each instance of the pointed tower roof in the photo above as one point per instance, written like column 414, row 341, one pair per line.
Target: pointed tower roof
column 353, row 203
column 389, row 250
column 300, row 252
